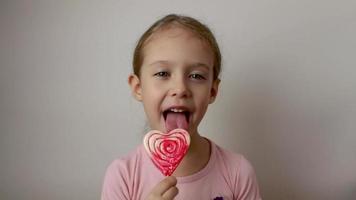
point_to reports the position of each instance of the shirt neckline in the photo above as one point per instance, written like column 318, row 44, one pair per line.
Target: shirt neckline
column 202, row 172
column 193, row 177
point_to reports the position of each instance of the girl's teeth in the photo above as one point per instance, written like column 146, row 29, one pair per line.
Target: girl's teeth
column 177, row 110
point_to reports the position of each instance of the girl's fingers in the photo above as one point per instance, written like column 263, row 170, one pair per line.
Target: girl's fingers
column 170, row 193
column 164, row 185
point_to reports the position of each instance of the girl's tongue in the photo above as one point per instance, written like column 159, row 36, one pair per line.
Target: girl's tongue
column 176, row 120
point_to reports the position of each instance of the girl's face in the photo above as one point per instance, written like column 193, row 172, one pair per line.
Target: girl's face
column 176, row 75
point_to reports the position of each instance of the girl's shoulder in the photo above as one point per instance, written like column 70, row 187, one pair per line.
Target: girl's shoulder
column 226, row 154
column 233, row 162
column 125, row 175
column 132, row 158
column 239, row 172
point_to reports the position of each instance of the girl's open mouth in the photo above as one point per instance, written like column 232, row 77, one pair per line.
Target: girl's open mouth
column 176, row 118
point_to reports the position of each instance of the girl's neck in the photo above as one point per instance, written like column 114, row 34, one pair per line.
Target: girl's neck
column 196, row 158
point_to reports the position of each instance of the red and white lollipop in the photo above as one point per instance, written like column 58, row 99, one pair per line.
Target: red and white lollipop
column 167, row 149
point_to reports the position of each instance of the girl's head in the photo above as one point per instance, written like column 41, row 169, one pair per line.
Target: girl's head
column 176, row 68
column 172, row 20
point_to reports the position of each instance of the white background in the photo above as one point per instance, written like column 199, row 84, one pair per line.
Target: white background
column 287, row 99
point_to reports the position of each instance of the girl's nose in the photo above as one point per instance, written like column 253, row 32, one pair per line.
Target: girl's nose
column 179, row 89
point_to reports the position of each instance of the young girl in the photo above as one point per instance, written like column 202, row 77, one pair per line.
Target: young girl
column 176, row 66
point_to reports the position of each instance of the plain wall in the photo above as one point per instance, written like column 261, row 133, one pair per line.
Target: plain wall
column 287, row 99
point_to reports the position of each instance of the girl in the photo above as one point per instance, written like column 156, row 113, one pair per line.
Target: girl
column 176, row 66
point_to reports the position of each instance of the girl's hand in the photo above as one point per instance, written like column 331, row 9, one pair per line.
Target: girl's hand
column 164, row 190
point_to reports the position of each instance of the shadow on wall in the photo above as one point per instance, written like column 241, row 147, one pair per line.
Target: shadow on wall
column 260, row 135
column 286, row 131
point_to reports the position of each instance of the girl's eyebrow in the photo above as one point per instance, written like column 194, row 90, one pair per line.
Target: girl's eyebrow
column 160, row 62
column 199, row 64
column 193, row 65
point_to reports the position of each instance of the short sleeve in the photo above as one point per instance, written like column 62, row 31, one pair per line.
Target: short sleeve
column 115, row 185
column 246, row 186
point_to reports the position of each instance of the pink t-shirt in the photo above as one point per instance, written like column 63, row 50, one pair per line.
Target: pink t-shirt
column 226, row 176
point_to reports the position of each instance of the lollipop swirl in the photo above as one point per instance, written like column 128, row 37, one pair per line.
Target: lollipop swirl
column 167, row 150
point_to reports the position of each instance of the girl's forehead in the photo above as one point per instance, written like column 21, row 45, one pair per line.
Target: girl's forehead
column 172, row 28
column 177, row 41
column 173, row 32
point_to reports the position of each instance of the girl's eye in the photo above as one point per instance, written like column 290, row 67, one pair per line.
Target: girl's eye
column 197, row 76
column 161, row 74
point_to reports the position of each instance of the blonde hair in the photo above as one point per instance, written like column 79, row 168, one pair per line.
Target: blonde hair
column 202, row 31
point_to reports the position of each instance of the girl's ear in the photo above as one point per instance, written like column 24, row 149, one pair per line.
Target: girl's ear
column 214, row 90
column 135, row 84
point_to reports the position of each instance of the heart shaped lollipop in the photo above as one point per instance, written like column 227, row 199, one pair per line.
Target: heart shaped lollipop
column 167, row 150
